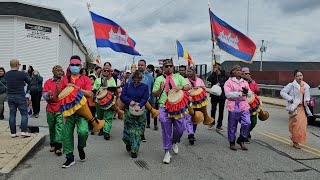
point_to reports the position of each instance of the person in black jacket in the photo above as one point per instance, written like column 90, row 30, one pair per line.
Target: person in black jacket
column 3, row 91
column 217, row 76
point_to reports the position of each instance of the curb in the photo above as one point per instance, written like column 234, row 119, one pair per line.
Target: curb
column 17, row 159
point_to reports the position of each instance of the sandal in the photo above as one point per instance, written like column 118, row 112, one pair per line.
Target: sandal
column 58, row 152
column 52, row 149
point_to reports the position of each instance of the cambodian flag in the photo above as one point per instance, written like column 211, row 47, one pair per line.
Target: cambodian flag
column 110, row 34
column 231, row 40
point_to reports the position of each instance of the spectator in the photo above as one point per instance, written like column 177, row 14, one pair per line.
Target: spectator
column 3, row 91
column 150, row 69
column 16, row 97
column 30, row 70
column 97, row 71
column 91, row 104
column 35, row 89
column 298, row 96
column 218, row 76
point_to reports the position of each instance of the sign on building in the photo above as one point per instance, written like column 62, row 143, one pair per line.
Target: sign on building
column 37, row 31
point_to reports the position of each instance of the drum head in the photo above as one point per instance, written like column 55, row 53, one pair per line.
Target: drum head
column 134, row 112
column 102, row 93
column 197, row 91
column 174, row 96
column 250, row 99
column 65, row 92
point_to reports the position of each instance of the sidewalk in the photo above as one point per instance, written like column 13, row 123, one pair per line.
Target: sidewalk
column 14, row 150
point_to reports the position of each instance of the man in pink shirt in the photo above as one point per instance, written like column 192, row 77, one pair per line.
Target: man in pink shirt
column 237, row 90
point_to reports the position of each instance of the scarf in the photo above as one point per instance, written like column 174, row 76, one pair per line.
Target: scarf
column 169, row 81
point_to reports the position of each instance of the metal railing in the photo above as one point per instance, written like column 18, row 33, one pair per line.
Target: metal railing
column 270, row 90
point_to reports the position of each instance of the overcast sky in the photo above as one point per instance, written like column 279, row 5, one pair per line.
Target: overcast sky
column 289, row 27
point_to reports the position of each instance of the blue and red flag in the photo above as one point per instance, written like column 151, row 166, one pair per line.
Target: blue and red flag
column 231, row 40
column 110, row 34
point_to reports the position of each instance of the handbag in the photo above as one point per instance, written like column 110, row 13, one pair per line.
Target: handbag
column 295, row 111
column 216, row 89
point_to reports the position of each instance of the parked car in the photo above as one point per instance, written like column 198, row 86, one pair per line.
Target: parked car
column 314, row 104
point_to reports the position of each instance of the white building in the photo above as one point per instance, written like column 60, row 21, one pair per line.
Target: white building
column 37, row 36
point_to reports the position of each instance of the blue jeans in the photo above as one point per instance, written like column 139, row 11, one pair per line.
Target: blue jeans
column 18, row 101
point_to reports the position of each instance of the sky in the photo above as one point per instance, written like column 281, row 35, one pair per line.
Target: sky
column 289, row 28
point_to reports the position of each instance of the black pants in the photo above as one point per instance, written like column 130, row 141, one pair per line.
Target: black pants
column 214, row 101
column 35, row 99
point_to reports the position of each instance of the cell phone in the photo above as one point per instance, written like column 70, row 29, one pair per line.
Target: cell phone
column 24, row 67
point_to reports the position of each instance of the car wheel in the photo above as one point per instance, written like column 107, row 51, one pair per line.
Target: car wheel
column 311, row 120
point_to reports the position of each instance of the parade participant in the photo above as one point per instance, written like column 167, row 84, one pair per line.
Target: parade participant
column 255, row 89
column 172, row 130
column 183, row 71
column 54, row 116
column 91, row 104
column 135, row 94
column 148, row 80
column 82, row 83
column 298, row 96
column 237, row 90
column 16, row 97
column 105, row 81
column 218, row 76
column 195, row 83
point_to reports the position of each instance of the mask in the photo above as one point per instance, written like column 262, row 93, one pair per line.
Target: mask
column 74, row 69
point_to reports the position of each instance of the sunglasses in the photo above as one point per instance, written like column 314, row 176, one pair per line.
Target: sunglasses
column 136, row 81
column 247, row 73
column 75, row 64
column 168, row 66
column 106, row 70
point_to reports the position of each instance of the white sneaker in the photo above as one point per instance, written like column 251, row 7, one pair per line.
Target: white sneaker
column 175, row 148
column 167, row 158
column 25, row 134
column 14, row 135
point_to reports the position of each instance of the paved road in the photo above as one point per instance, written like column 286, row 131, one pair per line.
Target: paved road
column 270, row 156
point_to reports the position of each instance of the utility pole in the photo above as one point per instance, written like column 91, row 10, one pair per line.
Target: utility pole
column 248, row 10
column 262, row 50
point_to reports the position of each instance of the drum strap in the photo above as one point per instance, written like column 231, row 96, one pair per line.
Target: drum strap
column 191, row 81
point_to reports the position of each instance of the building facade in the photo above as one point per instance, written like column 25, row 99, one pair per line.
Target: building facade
column 37, row 36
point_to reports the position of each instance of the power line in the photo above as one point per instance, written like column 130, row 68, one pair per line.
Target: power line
column 125, row 7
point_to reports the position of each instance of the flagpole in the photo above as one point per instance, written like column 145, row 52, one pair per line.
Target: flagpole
column 212, row 39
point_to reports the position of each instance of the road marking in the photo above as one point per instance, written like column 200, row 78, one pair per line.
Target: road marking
column 290, row 144
column 305, row 146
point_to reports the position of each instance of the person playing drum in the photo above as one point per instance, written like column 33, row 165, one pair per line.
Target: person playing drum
column 135, row 95
column 195, row 83
column 105, row 81
column 54, row 116
column 254, row 88
column 237, row 90
column 172, row 129
column 82, row 83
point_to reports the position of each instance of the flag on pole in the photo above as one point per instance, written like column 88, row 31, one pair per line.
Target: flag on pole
column 184, row 53
column 110, row 34
column 231, row 40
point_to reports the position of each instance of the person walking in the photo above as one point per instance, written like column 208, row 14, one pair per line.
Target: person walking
column 35, row 89
column 54, row 116
column 16, row 97
column 3, row 91
column 134, row 95
column 217, row 76
column 298, row 96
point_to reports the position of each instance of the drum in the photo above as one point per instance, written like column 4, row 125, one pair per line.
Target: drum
column 134, row 112
column 74, row 102
column 71, row 99
column 177, row 104
column 106, row 99
column 198, row 97
column 255, row 104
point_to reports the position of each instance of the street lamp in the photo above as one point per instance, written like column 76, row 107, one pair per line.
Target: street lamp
column 262, row 50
